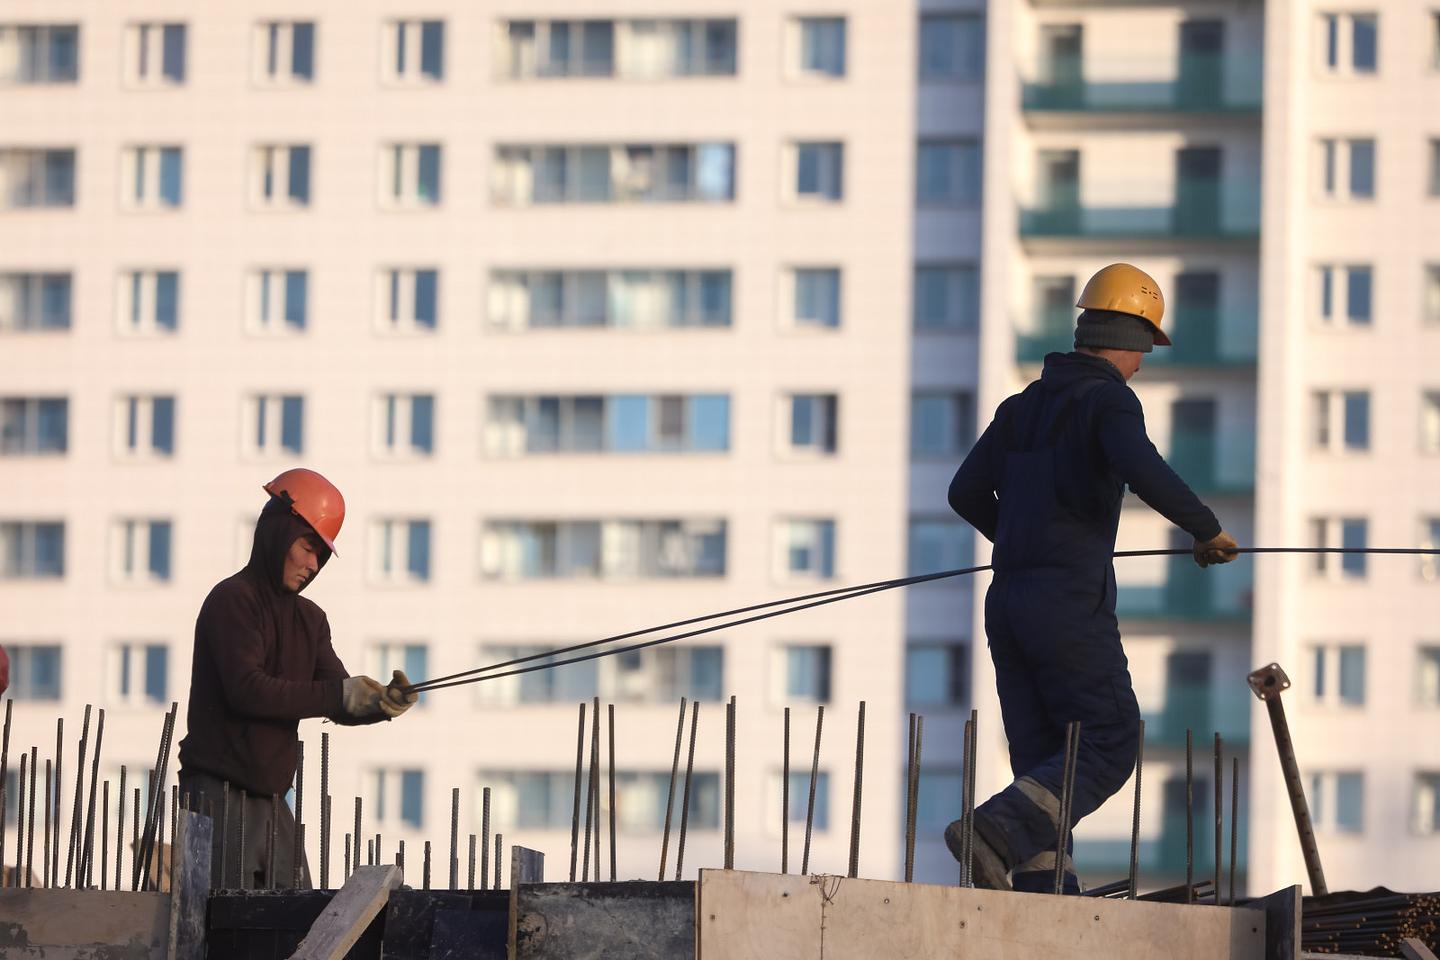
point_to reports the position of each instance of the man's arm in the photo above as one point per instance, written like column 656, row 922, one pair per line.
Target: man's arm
column 230, row 626
column 972, row 491
column 329, row 668
column 1120, row 425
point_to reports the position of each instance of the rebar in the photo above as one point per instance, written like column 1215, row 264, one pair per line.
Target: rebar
column 77, row 809
column 912, row 791
column 730, row 784
column 454, row 838
column 270, row 877
column 1219, row 810
column 45, row 852
column 20, row 875
column 1132, row 890
column 1234, row 820
column 485, row 839
column 685, row 797
column 324, row 811
column 784, row 799
column 155, row 809
column 120, row 829
column 240, row 861
column 670, row 794
column 967, row 805
column 54, row 863
column 224, row 832
column 4, row 777
column 1189, row 817
column 595, row 782
column 859, row 789
column 498, row 847
column 174, row 828
column 1067, row 796
column 358, row 834
column 135, row 840
column 379, row 857
column 575, row 816
column 87, row 859
column 297, row 855
column 104, row 835
column 400, row 857
column 369, row 852
column 589, row 815
column 814, row 778
column 611, row 757
column 30, row 837
column 470, row 874
column 347, row 855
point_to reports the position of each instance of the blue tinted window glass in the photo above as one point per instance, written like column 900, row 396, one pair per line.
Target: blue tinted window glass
column 296, row 290
column 429, row 186
column 432, row 47
column 709, row 426
column 125, row 653
column 412, row 796
column 167, row 300
column 1362, row 168
column 415, row 663
column 302, row 50
column 55, row 301
column 826, row 566
column 50, row 549
column 1349, row 802
column 1327, row 292
column 1352, row 675
column 1353, row 536
column 162, row 425
column 59, row 178
column 707, row 669
column 300, row 174
column 1357, row 420
column 419, row 549
column 1357, row 294
column 1366, row 44
column 64, row 59
column 53, row 426
column 156, row 670
column 427, row 284
column 629, row 426
column 170, row 176
column 173, row 55
column 422, row 423
column 715, row 171
column 292, row 415
column 160, row 549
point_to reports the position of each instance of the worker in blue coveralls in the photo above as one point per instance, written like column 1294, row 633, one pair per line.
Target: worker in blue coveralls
column 1045, row 483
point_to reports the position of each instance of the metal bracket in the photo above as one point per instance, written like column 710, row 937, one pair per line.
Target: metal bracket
column 1268, row 682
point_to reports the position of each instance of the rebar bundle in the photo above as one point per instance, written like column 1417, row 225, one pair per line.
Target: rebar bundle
column 1372, row 923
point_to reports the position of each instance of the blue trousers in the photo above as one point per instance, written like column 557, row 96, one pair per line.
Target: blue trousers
column 1056, row 647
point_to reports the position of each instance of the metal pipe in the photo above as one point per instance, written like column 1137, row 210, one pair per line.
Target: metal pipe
column 87, row 860
column 498, row 838
column 859, row 790
column 575, row 816
column 1219, row 811
column 1067, row 786
column 814, row 777
column 730, row 784
column 369, row 852
column 1234, row 822
column 784, row 800
column 1189, row 817
column 324, row 811
column 1135, row 818
column 485, row 839
column 689, row 782
column 454, row 838
column 612, row 793
column 1268, row 683
column 670, row 794
column 240, row 862
column 297, row 853
column 379, row 856
column 78, row 808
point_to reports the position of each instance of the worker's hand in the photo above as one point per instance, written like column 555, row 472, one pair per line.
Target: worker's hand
column 397, row 697
column 363, row 697
column 1222, row 548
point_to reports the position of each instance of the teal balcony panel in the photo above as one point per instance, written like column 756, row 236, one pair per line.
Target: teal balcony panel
column 1188, row 84
column 1213, row 461
column 1198, row 209
column 1199, row 339
column 1202, row 708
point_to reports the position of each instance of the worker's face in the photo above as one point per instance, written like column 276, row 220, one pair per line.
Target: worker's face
column 302, row 562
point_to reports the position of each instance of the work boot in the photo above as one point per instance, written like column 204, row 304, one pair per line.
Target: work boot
column 990, row 872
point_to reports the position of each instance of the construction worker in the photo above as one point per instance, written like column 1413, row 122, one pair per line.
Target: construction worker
column 1044, row 483
column 263, row 662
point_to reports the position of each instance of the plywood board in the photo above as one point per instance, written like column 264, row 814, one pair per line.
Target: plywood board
column 742, row 915
column 346, row 917
column 638, row 920
column 72, row 923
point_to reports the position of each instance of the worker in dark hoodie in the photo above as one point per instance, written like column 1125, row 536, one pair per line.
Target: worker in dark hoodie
column 263, row 662
column 1044, row 483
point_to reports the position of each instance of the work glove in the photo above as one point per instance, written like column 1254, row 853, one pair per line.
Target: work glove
column 1221, row 548
column 397, row 700
column 362, row 697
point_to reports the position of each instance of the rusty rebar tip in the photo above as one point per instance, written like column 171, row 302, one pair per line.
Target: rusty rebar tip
column 1268, row 682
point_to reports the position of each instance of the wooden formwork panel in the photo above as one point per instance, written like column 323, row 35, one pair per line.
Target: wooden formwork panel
column 762, row 916
column 65, row 924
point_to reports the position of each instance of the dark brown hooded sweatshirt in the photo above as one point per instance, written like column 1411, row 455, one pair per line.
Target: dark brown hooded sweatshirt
column 263, row 662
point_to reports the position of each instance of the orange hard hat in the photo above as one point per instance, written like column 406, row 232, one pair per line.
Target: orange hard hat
column 313, row 499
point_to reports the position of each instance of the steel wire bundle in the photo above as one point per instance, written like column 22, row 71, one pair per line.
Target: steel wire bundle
column 1373, row 923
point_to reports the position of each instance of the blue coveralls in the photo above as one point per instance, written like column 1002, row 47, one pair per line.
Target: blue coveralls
column 1045, row 483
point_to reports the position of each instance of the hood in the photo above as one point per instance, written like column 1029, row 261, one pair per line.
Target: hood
column 1065, row 369
column 276, row 530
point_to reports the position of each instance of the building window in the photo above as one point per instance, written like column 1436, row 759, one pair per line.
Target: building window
column 622, row 423
column 155, row 54
column 1347, row 169
column 407, row 300
column 140, row 551
column 952, row 48
column 625, row 173
column 798, row 801
column 1345, row 294
column 819, row 171
column 149, row 303
column 946, row 297
column 34, row 301
column 809, row 423
column 383, row 659
column 634, row 49
column 1426, row 804
column 139, row 673
column 404, row 425
column 144, row 426
column 32, row 550
column 628, row 299
column 942, row 423
column 602, row 549
column 39, row 53
column 34, row 673
column 1432, row 183
column 413, row 51
column 819, row 46
column 1348, row 532
column 1430, row 421
column 655, row 675
column 1349, row 43
column 31, row 177
column 542, row 799
column 277, row 301
column 1432, row 295
column 151, row 178
column 275, row 425
column 411, row 175
column 947, row 173
column 1341, row 420
column 284, row 52
column 814, row 301
column 34, row 426
column 805, row 549
column 1427, row 677
column 1430, row 540
column 280, row 178
column 397, row 797
column 400, row 551
column 937, row 674
column 1337, row 801
column 939, row 544
column 800, row 672
column 1339, row 674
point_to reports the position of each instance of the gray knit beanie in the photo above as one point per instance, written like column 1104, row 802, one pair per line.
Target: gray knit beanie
column 1108, row 330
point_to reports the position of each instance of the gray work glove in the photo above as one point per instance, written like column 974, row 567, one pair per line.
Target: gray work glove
column 362, row 697
column 397, row 697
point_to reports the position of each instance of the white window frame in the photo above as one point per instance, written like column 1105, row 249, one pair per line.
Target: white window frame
column 1325, row 801
column 1329, row 654
column 274, row 448
column 274, row 159
column 393, row 784
column 152, row 35
column 1328, row 566
column 407, row 157
column 1344, row 43
column 22, row 301
column 789, row 305
column 30, row 439
column 795, row 49
column 130, row 552
column 393, row 413
column 265, row 291
column 281, row 35
column 23, row 177
column 384, row 657
column 142, row 408
column 790, row 531
column 413, row 75
column 135, row 652
column 784, row 426
column 1423, row 817
column 143, row 163
column 404, row 323
column 13, row 37
column 390, row 547
column 780, row 672
column 140, row 320
column 1334, row 157
column 1328, row 421
column 831, row 171
column 1427, row 683
column 1339, row 282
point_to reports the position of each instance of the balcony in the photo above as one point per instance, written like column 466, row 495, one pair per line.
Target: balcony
column 1202, row 709
column 1187, row 84
column 1200, row 339
column 1220, row 595
column 1207, row 210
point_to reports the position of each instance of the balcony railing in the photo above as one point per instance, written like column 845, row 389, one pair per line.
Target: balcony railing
column 1201, row 209
column 1197, row 340
column 1191, row 83
column 1189, row 593
column 1202, row 709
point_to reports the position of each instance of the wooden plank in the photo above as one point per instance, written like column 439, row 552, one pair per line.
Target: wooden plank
column 73, row 923
column 642, row 920
column 753, row 915
column 1282, row 922
column 345, row 919
column 190, row 886
column 1415, row 949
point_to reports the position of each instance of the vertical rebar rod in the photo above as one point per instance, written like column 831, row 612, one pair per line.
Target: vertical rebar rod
column 30, row 837
column 5, row 776
column 454, row 838
column 1234, row 823
column 470, row 874
column 1189, row 817
column 730, row 785
column 77, row 809
column 324, row 811
column 104, row 835
column 784, row 799
column 426, row 866
column 499, row 837
column 87, row 859
column 912, row 789
column 347, row 855
column 358, row 834
column 135, row 840
column 973, row 749
column 611, row 757
column 369, row 852
column 1219, row 812
column 379, row 857
column 175, row 828
column 400, row 857
column 270, row 877
column 224, row 833
column 589, row 815
column 156, row 808
column 814, row 778
column 685, row 796
column 967, row 766
column 575, row 816
column 595, row 781
column 485, row 839
column 56, row 818
column 297, row 855
column 328, row 812
column 859, row 790
column 1135, row 815
column 1067, row 786
column 45, row 852
column 670, row 794
column 20, row 876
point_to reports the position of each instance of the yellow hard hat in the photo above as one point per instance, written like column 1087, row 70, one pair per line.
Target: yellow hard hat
column 1123, row 288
